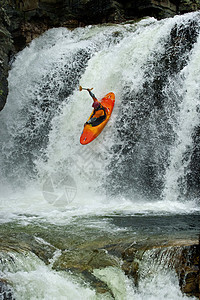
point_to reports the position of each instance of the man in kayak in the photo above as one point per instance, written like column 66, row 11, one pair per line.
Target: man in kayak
column 99, row 113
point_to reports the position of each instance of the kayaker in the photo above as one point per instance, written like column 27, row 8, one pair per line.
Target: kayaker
column 99, row 113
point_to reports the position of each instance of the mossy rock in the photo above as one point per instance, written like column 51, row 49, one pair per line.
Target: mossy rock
column 84, row 259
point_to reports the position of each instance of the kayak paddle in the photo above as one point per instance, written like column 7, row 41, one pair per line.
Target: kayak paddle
column 81, row 88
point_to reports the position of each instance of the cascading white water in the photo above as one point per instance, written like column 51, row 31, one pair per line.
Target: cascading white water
column 156, row 281
column 27, row 268
column 188, row 120
column 43, row 119
column 136, row 166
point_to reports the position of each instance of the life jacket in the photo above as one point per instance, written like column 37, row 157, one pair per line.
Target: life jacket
column 98, row 116
column 98, row 112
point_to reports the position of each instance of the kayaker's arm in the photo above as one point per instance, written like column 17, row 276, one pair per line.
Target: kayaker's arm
column 92, row 95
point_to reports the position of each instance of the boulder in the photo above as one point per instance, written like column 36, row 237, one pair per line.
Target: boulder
column 182, row 256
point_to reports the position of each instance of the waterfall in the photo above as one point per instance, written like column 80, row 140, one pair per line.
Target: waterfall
column 146, row 149
column 187, row 122
column 68, row 212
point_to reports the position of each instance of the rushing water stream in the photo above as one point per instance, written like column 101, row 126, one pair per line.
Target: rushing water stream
column 137, row 183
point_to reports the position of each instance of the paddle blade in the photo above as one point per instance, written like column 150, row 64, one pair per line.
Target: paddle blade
column 81, row 88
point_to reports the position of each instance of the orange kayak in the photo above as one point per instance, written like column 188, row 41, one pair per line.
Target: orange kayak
column 90, row 132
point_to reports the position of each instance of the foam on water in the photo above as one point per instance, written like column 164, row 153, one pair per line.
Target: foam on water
column 41, row 281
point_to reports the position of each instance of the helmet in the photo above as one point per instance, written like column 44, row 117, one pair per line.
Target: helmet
column 96, row 104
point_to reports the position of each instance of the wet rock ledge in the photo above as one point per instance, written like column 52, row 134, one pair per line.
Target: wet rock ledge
column 136, row 260
column 184, row 259
column 181, row 256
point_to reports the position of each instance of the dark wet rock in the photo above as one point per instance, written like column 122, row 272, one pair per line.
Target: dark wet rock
column 6, row 292
column 187, row 5
column 85, row 259
column 184, row 258
column 6, row 50
column 159, row 9
column 31, row 18
column 100, row 286
column 188, row 270
column 23, row 242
